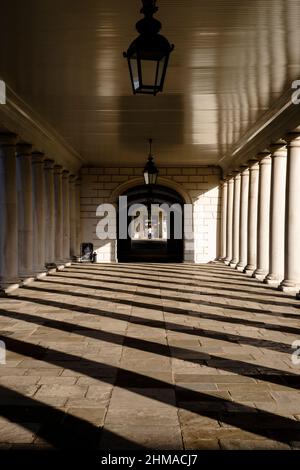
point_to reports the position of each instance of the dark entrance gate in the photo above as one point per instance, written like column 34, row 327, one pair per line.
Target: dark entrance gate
column 153, row 245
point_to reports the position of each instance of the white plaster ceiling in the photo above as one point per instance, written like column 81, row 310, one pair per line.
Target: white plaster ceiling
column 232, row 60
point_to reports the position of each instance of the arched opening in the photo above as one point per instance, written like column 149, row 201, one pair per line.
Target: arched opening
column 154, row 236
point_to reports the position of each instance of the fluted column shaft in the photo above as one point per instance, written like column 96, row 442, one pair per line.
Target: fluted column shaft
column 263, row 223
column 236, row 221
column 58, row 216
column 25, row 213
column 78, row 218
column 243, row 233
column 291, row 280
column 252, row 217
column 73, row 237
column 50, row 214
column 39, row 221
column 66, row 216
column 229, row 220
column 277, row 215
column 8, row 214
column 224, row 185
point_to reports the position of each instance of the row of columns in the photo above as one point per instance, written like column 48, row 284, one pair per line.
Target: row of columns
column 39, row 214
column 260, row 226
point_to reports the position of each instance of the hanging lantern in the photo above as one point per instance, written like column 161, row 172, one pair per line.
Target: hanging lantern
column 150, row 170
column 148, row 55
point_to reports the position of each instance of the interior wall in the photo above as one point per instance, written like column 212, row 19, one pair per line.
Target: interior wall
column 198, row 186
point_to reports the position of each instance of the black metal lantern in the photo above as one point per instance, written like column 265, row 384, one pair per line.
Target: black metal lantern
column 150, row 170
column 148, row 54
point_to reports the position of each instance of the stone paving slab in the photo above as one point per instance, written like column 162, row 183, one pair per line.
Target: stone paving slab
column 149, row 356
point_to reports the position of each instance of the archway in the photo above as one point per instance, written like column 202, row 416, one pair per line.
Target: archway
column 156, row 239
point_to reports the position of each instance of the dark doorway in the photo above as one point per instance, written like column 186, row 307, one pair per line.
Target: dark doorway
column 156, row 242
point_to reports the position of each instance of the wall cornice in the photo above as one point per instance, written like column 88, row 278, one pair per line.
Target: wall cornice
column 18, row 117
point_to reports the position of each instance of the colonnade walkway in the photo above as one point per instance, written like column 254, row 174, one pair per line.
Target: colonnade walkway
column 159, row 356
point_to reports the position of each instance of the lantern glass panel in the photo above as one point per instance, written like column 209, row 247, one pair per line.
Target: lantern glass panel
column 146, row 177
column 135, row 74
column 154, row 178
column 160, row 72
column 148, row 69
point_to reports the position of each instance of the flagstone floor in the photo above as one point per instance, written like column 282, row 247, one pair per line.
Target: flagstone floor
column 161, row 356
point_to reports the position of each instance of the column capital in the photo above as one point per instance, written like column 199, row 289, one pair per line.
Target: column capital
column 49, row 164
column 236, row 174
column 24, row 149
column 65, row 174
column 278, row 149
column 293, row 139
column 228, row 176
column 8, row 139
column 264, row 156
column 253, row 164
column 58, row 169
column 72, row 179
column 37, row 157
column 266, row 160
column 244, row 170
column 78, row 181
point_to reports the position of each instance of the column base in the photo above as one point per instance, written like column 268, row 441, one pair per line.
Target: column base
column 288, row 286
column 8, row 289
column 226, row 261
column 60, row 267
column 27, row 280
column 68, row 264
column 50, row 266
column 249, row 270
column 240, row 267
column 272, row 280
column 259, row 274
column 41, row 275
column 233, row 264
column 52, row 270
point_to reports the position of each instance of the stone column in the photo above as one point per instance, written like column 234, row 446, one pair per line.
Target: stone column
column 277, row 214
column 58, row 217
column 50, row 215
column 25, row 213
column 8, row 214
column 229, row 221
column 224, row 185
column 263, row 222
column 66, row 217
column 73, row 238
column 78, row 219
column 39, row 220
column 236, row 221
column 243, row 235
column 291, row 282
column 252, row 217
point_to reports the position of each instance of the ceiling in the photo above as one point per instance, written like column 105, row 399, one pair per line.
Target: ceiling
column 232, row 60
